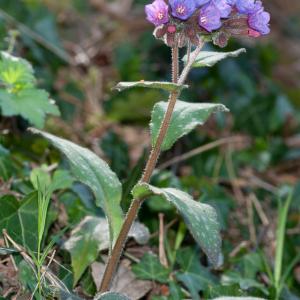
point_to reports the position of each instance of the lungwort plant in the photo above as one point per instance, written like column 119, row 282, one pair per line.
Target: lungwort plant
column 183, row 25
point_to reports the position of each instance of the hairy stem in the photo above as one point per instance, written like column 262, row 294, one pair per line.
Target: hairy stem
column 175, row 64
column 150, row 166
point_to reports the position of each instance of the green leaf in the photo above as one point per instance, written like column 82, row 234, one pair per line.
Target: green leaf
column 150, row 268
column 61, row 180
column 201, row 219
column 88, row 168
column 18, row 95
column 111, row 296
column 90, row 237
column 40, row 178
column 15, row 73
column 210, row 58
column 84, row 245
column 232, row 277
column 64, row 295
column 167, row 86
column 20, row 219
column 238, row 298
column 245, row 273
column 193, row 275
column 185, row 118
column 218, row 290
column 27, row 276
column 32, row 104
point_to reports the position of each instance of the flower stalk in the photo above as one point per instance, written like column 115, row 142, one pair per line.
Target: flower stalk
column 150, row 166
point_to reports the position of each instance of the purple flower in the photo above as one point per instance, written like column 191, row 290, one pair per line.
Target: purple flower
column 231, row 2
column 210, row 17
column 157, row 12
column 224, row 8
column 245, row 6
column 182, row 9
column 201, row 2
column 259, row 21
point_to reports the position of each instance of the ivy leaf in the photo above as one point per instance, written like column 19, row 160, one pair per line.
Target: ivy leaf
column 185, row 118
column 32, row 104
column 201, row 219
column 111, row 296
column 16, row 73
column 192, row 274
column 150, row 268
column 90, row 237
column 20, row 219
column 89, row 169
column 167, row 86
column 210, row 58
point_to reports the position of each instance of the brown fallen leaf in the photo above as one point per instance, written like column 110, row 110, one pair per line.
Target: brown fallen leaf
column 124, row 281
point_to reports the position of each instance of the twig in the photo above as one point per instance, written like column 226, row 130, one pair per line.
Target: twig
column 232, row 176
column 238, row 248
column 168, row 226
column 38, row 38
column 264, row 219
column 131, row 257
column 162, row 253
column 293, row 231
column 10, row 256
column 260, row 183
column 240, row 196
column 251, row 224
column 199, row 150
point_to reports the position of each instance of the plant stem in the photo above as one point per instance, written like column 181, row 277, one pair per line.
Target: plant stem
column 150, row 166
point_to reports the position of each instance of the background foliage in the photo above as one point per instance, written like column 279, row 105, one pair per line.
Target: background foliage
column 79, row 50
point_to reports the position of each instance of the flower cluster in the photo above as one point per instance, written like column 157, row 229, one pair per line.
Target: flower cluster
column 218, row 18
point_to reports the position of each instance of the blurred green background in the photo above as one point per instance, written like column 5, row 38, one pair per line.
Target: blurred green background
column 80, row 49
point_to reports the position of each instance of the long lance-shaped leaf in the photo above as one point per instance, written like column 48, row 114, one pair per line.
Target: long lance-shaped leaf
column 89, row 169
column 201, row 219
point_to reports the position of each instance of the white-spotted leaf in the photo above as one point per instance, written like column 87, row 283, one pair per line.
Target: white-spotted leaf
column 201, row 219
column 210, row 58
column 238, row 298
column 111, row 296
column 167, row 86
column 89, row 169
column 185, row 118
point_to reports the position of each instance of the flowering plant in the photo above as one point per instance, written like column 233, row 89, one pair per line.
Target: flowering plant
column 179, row 23
column 215, row 20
